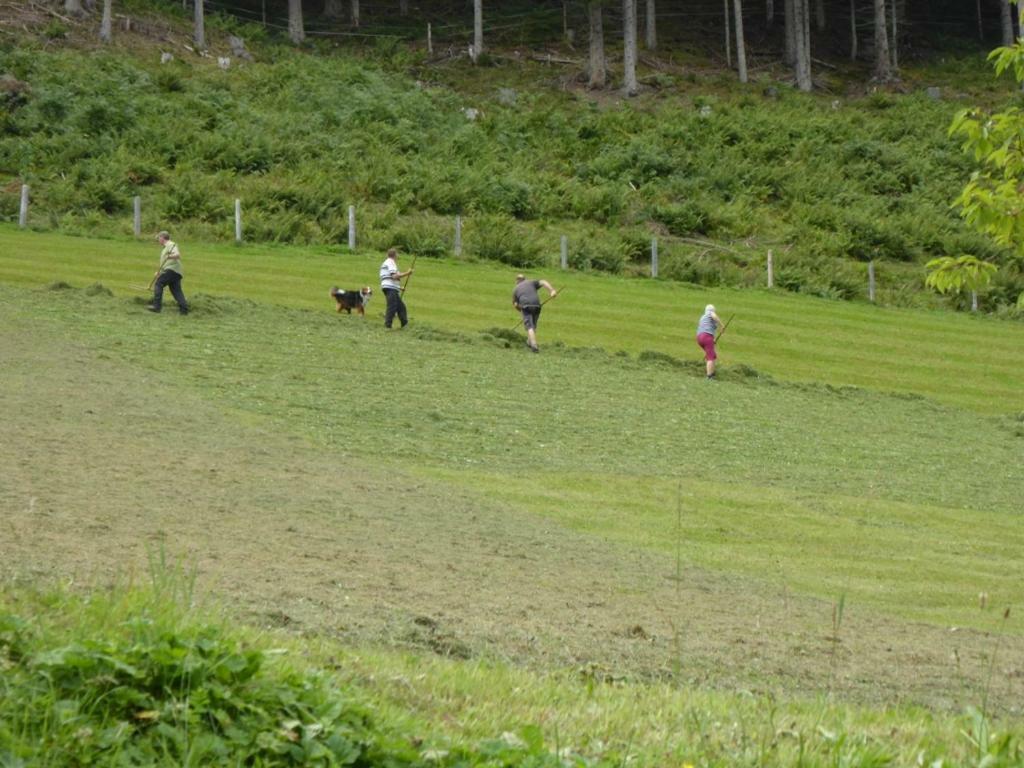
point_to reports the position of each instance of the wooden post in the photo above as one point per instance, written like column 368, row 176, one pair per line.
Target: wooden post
column 565, row 252
column 771, row 270
column 974, row 301
column 23, row 214
column 351, row 227
column 654, row 257
column 430, row 40
column 137, row 217
column 871, row 281
column 458, row 235
column 238, row 220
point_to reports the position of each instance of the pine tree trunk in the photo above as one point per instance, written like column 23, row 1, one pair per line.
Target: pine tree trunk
column 296, row 29
column 478, row 27
column 1006, row 19
column 741, row 48
column 802, row 38
column 403, row 7
column 650, row 27
column 769, row 13
column 200, row 26
column 819, row 13
column 74, row 7
column 333, row 9
column 728, row 33
column 853, row 30
column 790, row 57
column 883, row 64
column 107, row 23
column 598, row 63
column 894, row 47
column 356, row 19
column 629, row 83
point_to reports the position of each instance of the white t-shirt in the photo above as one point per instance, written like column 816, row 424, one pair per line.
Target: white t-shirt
column 387, row 269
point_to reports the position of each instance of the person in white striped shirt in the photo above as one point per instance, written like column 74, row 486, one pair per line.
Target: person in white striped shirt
column 390, row 283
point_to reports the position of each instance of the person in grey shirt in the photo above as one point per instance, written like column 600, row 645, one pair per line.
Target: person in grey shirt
column 707, row 327
column 526, row 299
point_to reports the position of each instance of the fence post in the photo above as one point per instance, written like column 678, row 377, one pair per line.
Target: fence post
column 23, row 214
column 137, row 215
column 871, row 281
column 351, row 227
column 974, row 301
column 565, row 251
column 771, row 270
column 458, row 235
column 430, row 40
column 238, row 220
column 654, row 257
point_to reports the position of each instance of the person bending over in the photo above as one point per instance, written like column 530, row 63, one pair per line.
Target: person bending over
column 526, row 299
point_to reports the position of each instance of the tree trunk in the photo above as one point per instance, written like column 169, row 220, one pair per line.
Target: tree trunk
column 853, row 30
column 650, row 27
column 728, row 38
column 478, row 27
column 819, row 14
column 741, row 49
column 107, row 23
column 296, row 30
column 894, row 46
column 769, row 13
column 629, row 83
column 883, row 64
column 74, row 7
column 802, row 37
column 403, row 7
column 1006, row 18
column 200, row 26
column 1020, row 28
column 355, row 13
column 598, row 63
column 333, row 9
column 981, row 28
column 790, row 57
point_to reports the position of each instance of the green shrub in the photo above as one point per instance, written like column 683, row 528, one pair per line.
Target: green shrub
column 687, row 217
column 192, row 196
column 607, row 254
column 422, row 235
column 496, row 238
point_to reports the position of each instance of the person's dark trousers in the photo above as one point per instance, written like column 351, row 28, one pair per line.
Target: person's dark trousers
column 395, row 307
column 172, row 280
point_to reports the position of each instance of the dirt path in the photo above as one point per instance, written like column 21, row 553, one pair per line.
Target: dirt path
column 103, row 463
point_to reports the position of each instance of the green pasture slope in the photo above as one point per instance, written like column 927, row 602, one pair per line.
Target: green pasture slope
column 875, row 460
column 969, row 362
column 615, row 433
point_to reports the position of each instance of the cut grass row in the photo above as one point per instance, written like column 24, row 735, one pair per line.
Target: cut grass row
column 969, row 362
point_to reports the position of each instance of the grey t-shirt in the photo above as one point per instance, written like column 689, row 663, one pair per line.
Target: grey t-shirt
column 525, row 294
column 707, row 324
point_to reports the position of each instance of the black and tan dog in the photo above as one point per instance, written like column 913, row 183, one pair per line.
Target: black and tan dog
column 349, row 300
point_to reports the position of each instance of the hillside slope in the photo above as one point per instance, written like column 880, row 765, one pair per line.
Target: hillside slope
column 718, row 173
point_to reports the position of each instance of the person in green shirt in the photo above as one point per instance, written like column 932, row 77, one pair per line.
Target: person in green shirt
column 168, row 275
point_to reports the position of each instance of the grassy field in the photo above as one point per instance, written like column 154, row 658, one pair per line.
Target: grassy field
column 835, row 533
column 970, row 362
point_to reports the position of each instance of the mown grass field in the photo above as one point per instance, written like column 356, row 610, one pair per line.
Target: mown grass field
column 592, row 512
column 957, row 359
